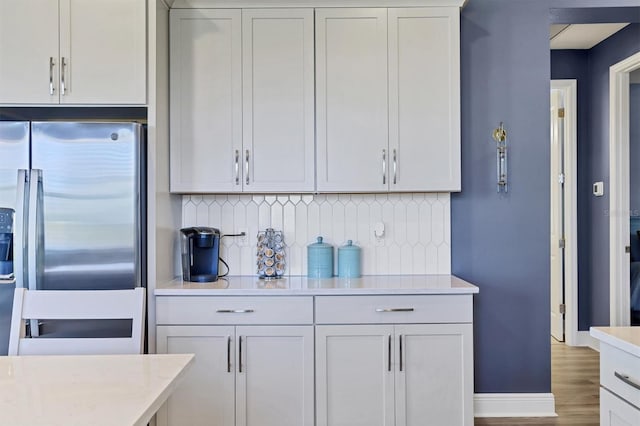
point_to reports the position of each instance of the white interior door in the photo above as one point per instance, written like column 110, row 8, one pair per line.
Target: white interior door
column 557, row 214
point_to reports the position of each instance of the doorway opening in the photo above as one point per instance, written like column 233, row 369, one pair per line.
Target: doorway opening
column 563, row 185
column 620, row 255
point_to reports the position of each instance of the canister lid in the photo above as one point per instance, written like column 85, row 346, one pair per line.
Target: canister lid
column 349, row 246
column 319, row 244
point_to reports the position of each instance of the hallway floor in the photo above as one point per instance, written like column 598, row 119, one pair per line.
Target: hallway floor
column 575, row 383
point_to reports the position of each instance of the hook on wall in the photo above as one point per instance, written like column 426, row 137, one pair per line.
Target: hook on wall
column 500, row 136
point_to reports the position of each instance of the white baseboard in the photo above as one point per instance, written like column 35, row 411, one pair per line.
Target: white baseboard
column 514, row 405
column 585, row 339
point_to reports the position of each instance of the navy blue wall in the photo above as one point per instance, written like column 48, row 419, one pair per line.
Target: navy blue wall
column 501, row 242
column 616, row 48
column 634, row 149
column 574, row 64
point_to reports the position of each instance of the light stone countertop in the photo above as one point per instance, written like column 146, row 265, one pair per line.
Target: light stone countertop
column 97, row 390
column 367, row 285
column 623, row 338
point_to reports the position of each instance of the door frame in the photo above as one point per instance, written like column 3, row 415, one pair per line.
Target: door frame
column 569, row 88
column 619, row 291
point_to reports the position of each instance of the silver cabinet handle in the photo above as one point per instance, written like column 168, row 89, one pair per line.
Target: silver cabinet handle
column 400, row 352
column 63, row 87
column 52, row 88
column 228, row 354
column 239, row 354
column 234, row 311
column 384, row 166
column 246, row 166
column 395, row 167
column 237, row 167
column 389, row 367
column 394, row 310
column 628, row 380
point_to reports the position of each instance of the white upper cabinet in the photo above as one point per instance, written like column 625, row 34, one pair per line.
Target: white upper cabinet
column 73, row 52
column 388, row 99
column 242, row 116
column 351, row 100
column 277, row 88
column 206, row 100
column 424, row 99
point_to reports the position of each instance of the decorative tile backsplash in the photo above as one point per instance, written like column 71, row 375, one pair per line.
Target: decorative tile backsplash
column 417, row 228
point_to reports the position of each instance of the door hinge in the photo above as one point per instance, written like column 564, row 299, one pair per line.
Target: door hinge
column 561, row 178
column 563, row 308
column 561, row 243
column 627, row 249
column 560, row 112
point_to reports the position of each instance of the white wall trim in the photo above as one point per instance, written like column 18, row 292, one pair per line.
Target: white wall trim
column 570, row 95
column 585, row 339
column 514, row 405
column 619, row 290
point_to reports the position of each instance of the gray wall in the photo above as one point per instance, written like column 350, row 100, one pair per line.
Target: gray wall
column 501, row 242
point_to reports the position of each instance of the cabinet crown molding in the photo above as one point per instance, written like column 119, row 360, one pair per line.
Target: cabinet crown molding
column 203, row 4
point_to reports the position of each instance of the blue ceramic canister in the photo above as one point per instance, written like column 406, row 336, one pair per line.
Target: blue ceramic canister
column 349, row 263
column 319, row 260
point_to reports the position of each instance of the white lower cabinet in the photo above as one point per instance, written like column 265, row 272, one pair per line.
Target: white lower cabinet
column 402, row 375
column 242, row 375
column 321, row 360
column 617, row 412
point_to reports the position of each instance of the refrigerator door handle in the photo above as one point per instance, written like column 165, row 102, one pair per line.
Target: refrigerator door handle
column 32, row 239
column 19, row 226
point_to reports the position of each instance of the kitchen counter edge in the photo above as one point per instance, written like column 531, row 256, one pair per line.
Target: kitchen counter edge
column 623, row 338
column 299, row 285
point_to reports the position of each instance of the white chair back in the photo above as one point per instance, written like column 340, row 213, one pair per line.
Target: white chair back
column 77, row 305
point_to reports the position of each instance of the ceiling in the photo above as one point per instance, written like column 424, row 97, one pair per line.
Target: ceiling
column 581, row 36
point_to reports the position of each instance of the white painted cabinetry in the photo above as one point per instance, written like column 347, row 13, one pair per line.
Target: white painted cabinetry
column 242, row 100
column 351, row 100
column 388, row 99
column 244, row 375
column 620, row 386
column 73, row 52
column 394, row 374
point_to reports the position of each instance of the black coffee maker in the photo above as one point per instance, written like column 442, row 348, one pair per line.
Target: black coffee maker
column 6, row 241
column 200, row 254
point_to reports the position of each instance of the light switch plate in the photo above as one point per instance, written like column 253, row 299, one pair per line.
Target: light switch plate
column 598, row 189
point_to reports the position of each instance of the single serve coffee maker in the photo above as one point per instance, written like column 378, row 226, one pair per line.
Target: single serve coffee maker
column 6, row 242
column 200, row 254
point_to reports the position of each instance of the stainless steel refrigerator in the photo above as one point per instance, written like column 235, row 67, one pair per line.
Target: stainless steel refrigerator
column 77, row 192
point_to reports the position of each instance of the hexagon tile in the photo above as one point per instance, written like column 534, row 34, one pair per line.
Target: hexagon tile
column 417, row 237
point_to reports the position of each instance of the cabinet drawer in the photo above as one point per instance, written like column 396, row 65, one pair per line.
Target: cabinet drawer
column 211, row 310
column 620, row 373
column 394, row 309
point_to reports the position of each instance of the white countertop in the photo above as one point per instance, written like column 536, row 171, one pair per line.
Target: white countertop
column 624, row 338
column 370, row 284
column 97, row 390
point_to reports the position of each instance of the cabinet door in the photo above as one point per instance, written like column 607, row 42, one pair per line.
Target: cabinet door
column 354, row 375
column 206, row 96
column 351, row 99
column 278, row 115
column 424, row 99
column 29, row 51
column 616, row 412
column 274, row 378
column 206, row 394
column 103, row 52
column 434, row 376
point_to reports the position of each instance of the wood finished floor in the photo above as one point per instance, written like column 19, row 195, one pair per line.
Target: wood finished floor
column 575, row 381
